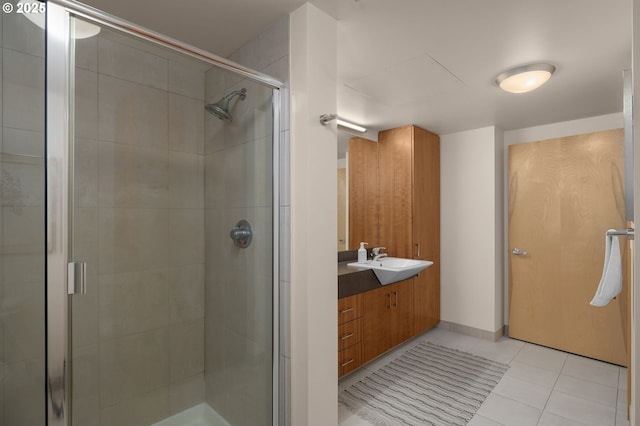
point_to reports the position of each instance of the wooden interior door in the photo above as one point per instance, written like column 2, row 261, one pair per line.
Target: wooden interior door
column 563, row 196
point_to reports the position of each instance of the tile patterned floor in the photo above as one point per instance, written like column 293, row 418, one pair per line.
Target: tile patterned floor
column 542, row 387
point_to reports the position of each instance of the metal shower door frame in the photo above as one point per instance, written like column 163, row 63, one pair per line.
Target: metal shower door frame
column 59, row 122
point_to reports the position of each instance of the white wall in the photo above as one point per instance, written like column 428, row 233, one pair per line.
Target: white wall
column 314, row 282
column 471, row 276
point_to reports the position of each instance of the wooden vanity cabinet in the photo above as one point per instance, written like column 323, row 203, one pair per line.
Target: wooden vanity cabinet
column 409, row 192
column 349, row 334
column 387, row 318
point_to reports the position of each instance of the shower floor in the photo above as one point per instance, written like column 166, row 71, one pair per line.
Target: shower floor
column 199, row 415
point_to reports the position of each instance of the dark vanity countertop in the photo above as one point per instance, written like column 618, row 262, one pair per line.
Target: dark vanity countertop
column 353, row 280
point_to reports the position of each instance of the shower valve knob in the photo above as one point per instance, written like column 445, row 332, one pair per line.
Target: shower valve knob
column 242, row 234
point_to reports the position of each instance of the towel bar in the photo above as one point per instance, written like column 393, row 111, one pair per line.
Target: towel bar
column 629, row 233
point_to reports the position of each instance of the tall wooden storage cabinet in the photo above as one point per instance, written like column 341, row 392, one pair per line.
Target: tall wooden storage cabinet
column 409, row 197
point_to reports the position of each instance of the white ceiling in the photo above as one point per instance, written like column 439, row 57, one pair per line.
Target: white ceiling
column 433, row 62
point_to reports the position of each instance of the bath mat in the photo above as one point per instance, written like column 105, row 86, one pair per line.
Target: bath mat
column 427, row 385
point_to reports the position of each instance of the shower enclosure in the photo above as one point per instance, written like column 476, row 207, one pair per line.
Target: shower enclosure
column 130, row 294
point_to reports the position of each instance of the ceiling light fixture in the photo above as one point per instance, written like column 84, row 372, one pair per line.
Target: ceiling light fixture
column 326, row 118
column 525, row 78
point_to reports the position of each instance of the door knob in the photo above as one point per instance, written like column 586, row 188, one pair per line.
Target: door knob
column 518, row 252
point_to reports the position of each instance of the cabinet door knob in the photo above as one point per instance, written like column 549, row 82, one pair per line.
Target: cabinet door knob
column 347, row 336
column 396, row 294
column 344, row 311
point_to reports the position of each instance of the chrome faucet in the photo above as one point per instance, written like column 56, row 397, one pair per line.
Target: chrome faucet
column 376, row 253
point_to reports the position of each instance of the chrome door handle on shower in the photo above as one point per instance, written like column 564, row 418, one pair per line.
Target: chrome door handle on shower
column 518, row 252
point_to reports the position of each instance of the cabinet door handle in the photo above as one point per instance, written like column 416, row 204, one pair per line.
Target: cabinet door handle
column 346, row 310
column 347, row 336
column 418, row 246
column 347, row 363
column 389, row 302
column 395, row 293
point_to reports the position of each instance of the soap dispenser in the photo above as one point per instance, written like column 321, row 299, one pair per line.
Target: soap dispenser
column 362, row 253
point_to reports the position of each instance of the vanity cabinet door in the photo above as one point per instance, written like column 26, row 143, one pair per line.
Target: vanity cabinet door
column 376, row 324
column 402, row 305
column 427, row 297
column 387, row 318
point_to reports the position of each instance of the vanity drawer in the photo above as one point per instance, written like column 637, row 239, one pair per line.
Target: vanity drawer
column 349, row 333
column 349, row 359
column 349, row 308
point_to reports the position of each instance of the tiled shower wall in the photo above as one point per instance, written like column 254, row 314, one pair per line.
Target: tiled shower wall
column 238, row 164
column 22, row 356
column 138, row 333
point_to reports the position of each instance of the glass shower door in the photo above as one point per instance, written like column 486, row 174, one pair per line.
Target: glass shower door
column 22, row 242
column 176, row 323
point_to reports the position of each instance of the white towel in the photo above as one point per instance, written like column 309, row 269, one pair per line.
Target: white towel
column 611, row 282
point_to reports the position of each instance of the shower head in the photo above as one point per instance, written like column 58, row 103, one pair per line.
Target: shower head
column 221, row 108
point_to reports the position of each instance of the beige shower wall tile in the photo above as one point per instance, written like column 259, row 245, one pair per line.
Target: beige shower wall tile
column 186, row 233
column 20, row 34
column 23, row 229
column 23, row 91
column 133, row 302
column 132, row 240
column 141, row 410
column 186, row 124
column 125, row 62
column 214, row 84
column 186, row 293
column 23, row 322
column 86, row 385
column 236, row 176
column 24, row 399
column 273, row 43
column 186, row 180
column 187, row 79
column 187, row 350
column 215, row 188
column 187, row 393
column 87, row 53
column 132, row 114
column 86, row 107
column 22, row 142
column 22, row 181
column 131, row 176
column 213, row 133
column 260, row 180
column 132, row 367
column 85, row 173
column 20, row 269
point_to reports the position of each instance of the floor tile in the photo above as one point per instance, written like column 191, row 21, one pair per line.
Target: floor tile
column 532, row 374
column 572, row 390
column 508, row 411
column 481, row 421
column 455, row 341
column 525, row 392
column 550, row 419
column 592, row 370
column 541, row 357
column 504, row 350
column 581, row 410
column 348, row 418
column 623, row 382
column 588, row 390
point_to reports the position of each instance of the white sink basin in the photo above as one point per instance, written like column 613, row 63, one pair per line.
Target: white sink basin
column 393, row 269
